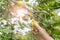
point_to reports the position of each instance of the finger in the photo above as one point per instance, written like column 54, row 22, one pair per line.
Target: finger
column 34, row 33
column 36, row 30
column 37, row 35
column 35, row 22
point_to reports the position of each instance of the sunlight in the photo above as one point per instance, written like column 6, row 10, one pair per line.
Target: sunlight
column 20, row 12
column 58, row 14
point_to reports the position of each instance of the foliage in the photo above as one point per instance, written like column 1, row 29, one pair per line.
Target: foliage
column 6, row 27
column 46, row 14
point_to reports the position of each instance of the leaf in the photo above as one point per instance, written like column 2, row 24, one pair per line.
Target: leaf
column 26, row 0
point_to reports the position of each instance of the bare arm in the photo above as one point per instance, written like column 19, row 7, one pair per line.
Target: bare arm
column 42, row 32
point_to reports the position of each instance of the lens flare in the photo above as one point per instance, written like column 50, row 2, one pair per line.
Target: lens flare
column 20, row 13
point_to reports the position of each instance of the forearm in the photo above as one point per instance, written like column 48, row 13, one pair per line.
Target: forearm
column 43, row 33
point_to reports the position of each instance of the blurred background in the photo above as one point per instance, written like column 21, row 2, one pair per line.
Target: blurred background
column 46, row 12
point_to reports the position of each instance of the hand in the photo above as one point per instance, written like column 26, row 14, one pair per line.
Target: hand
column 40, row 32
column 37, row 35
column 35, row 31
column 38, row 27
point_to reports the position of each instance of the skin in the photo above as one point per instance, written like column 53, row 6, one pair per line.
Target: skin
column 42, row 34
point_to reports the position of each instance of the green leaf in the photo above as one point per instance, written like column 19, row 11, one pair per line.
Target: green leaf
column 26, row 0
